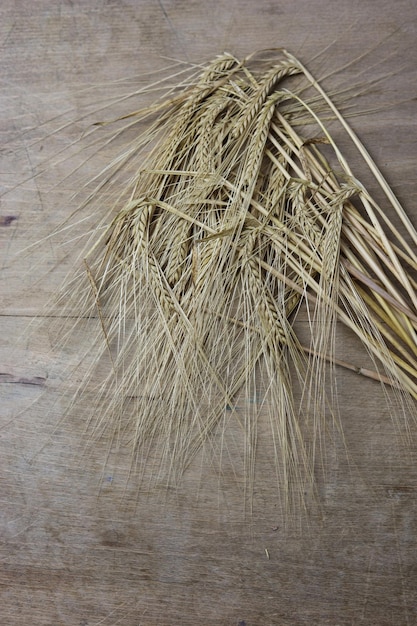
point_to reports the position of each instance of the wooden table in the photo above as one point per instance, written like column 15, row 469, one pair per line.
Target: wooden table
column 79, row 546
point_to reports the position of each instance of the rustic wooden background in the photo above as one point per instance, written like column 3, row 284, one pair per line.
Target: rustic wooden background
column 79, row 545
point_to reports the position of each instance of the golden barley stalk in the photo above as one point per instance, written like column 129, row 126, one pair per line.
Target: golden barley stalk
column 233, row 221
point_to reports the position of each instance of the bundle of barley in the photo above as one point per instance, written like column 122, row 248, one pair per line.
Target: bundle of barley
column 234, row 220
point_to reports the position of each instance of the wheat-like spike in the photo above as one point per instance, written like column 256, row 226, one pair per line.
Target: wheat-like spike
column 211, row 79
column 273, row 197
column 209, row 132
column 256, row 102
column 304, row 216
column 207, row 257
column 267, row 308
column 216, row 68
column 257, row 145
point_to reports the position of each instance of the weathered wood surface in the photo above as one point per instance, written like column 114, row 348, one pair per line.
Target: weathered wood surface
column 70, row 556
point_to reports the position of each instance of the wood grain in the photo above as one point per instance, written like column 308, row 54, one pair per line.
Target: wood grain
column 80, row 544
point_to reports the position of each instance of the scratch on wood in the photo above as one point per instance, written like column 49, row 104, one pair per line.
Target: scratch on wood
column 172, row 27
column 11, row 378
column 6, row 220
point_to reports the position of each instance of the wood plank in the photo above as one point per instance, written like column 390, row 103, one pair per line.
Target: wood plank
column 80, row 543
